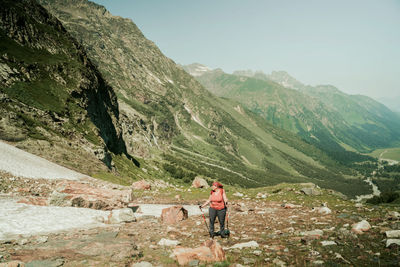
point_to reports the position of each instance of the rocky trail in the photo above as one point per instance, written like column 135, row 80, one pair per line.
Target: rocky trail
column 87, row 222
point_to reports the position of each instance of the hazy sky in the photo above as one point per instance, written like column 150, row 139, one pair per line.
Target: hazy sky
column 352, row 44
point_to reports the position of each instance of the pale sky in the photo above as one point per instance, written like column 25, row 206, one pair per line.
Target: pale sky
column 352, row 44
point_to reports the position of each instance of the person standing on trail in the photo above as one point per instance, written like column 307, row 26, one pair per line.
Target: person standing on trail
column 218, row 206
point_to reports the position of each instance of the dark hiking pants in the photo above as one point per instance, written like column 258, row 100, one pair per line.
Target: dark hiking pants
column 221, row 218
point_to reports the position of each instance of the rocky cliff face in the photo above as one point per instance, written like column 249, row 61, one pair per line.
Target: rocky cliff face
column 150, row 87
column 51, row 91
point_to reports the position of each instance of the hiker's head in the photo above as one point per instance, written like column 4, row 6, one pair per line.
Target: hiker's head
column 216, row 185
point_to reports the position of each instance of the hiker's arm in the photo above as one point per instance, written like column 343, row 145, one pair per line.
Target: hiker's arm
column 225, row 198
column 206, row 203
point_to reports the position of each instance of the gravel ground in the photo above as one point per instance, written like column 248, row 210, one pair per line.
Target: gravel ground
column 23, row 164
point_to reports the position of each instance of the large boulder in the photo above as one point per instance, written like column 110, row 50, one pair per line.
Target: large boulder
column 174, row 214
column 88, row 195
column 311, row 191
column 209, row 251
column 141, row 185
column 199, row 182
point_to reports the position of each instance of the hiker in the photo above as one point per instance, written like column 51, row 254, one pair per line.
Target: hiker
column 218, row 206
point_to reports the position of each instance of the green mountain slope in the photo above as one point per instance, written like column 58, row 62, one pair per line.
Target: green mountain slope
column 52, row 93
column 169, row 121
column 323, row 115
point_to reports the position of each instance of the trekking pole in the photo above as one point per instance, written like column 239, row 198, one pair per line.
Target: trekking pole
column 204, row 217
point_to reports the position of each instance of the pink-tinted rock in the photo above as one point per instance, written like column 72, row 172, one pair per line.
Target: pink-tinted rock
column 290, row 206
column 94, row 196
column 37, row 201
column 210, row 251
column 199, row 182
column 174, row 214
column 141, row 185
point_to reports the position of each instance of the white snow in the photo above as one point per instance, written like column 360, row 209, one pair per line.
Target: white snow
column 21, row 163
column 21, row 219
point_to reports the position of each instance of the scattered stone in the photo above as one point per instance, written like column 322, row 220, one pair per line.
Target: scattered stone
column 174, row 214
column 199, row 182
column 290, row 206
column 59, row 199
column 248, row 261
column 393, row 233
column 361, row 227
column 318, row 263
column 328, row 243
column 279, row 262
column 310, row 191
column 121, row 215
column 250, row 244
column 239, row 207
column 141, row 185
column 322, row 210
column 257, row 252
column 261, row 195
column 340, row 257
column 178, row 197
column 238, row 194
column 22, row 242
column 390, row 242
column 314, row 233
column 210, row 251
column 359, row 205
column 393, row 215
column 142, row 264
column 42, row 239
column 168, row 242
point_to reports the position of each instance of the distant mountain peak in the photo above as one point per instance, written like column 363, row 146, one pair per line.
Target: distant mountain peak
column 284, row 79
column 196, row 69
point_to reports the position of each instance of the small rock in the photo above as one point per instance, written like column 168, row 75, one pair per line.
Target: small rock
column 361, row 227
column 250, row 244
column 393, row 215
column 168, row 242
column 279, row 262
column 318, row 263
column 121, row 215
column 42, row 239
column 248, row 261
column 257, row 252
column 142, row 264
column 393, row 233
column 23, row 242
column 317, row 233
column 323, row 210
column 238, row 194
column 290, row 206
column 328, row 243
column 392, row 241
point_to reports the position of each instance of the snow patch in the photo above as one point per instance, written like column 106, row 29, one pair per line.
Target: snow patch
column 21, row 219
column 23, row 164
